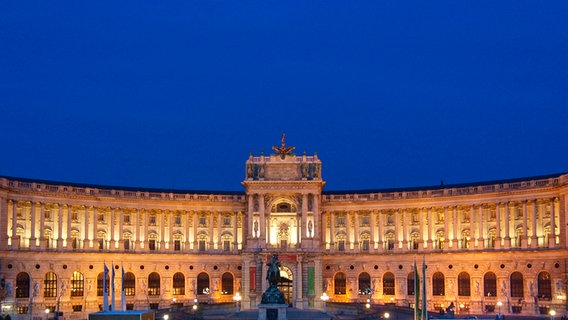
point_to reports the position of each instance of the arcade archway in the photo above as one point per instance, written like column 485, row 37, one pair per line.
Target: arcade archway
column 286, row 285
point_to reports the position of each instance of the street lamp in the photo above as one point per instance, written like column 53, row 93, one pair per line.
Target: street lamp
column 324, row 297
column 237, row 299
column 552, row 314
column 166, row 317
column 386, row 315
column 499, row 304
column 47, row 313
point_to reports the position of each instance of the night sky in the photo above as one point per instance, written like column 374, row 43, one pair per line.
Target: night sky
column 176, row 94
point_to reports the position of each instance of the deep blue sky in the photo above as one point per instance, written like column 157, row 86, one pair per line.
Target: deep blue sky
column 175, row 94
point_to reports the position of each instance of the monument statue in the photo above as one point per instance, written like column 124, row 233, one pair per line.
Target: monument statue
column 273, row 295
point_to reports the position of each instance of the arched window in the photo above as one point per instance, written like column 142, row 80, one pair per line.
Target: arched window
column 388, row 284
column 464, row 284
column 179, row 283
column 77, row 284
column 100, row 284
column 410, row 284
column 438, row 284
column 490, row 285
column 466, row 236
column 544, row 286
column 129, row 284
column 516, row 281
column 203, row 283
column 227, row 283
column 50, row 285
column 23, row 285
column 364, row 283
column 340, row 283
column 154, row 284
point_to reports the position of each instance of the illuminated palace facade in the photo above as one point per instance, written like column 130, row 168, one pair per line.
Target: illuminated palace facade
column 496, row 246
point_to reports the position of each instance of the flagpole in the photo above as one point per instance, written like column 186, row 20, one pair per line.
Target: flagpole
column 416, row 293
column 113, row 304
column 105, row 292
column 424, row 296
column 123, row 293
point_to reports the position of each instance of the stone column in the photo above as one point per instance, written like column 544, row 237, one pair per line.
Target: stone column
column 405, row 224
column 95, row 227
column 33, row 240
column 332, row 231
column 472, row 226
column 60, row 226
column 235, row 219
column 162, row 235
column 552, row 237
column 396, row 229
column 145, row 232
column 210, row 231
column 250, row 215
column 195, row 246
column 524, row 242
column 447, row 233
column 85, row 231
column 69, row 220
column 112, row 235
column 303, row 228
column 534, row 239
column 42, row 225
column 356, row 233
column 480, row 234
column 299, row 282
column 507, row 225
column 171, row 242
column 186, row 228
column 429, row 233
column 262, row 220
column 373, row 230
column 219, row 224
column 121, row 238
column 456, row 236
column 137, row 230
column 421, row 228
column 498, row 225
column 15, row 240
column 319, row 231
column 348, row 231
column 380, row 245
column 3, row 223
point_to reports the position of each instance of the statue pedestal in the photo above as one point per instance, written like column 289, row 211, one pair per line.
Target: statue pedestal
column 270, row 311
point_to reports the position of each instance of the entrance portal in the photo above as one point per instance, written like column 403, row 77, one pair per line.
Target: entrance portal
column 286, row 285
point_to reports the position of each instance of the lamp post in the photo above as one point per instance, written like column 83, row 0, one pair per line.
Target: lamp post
column 46, row 313
column 499, row 304
column 166, row 317
column 552, row 314
column 237, row 299
column 324, row 297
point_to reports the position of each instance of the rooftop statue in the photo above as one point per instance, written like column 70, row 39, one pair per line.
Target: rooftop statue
column 283, row 150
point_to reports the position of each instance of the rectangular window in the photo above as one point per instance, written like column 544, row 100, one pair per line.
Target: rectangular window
column 201, row 245
column 365, row 246
column 78, row 308
column 202, row 221
column 127, row 244
column 74, row 243
column 101, row 244
column 126, row 219
column 101, row 217
column 227, row 221
column 177, row 245
column 341, row 245
column 340, row 221
column 152, row 244
column 22, row 310
column 152, row 220
column 390, row 244
column 178, row 220
column 75, row 216
column 284, row 244
column 227, row 245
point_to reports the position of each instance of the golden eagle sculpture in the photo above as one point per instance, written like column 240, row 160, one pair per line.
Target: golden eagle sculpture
column 283, row 150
